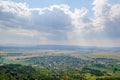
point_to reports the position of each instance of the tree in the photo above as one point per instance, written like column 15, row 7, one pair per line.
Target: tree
column 1, row 58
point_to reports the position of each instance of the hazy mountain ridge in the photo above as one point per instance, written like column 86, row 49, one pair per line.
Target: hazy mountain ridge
column 61, row 47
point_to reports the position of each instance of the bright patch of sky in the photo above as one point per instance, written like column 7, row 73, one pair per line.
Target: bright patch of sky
column 46, row 3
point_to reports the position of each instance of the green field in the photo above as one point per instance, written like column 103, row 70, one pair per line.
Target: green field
column 67, row 65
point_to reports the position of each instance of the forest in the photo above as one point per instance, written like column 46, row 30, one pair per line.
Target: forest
column 20, row 72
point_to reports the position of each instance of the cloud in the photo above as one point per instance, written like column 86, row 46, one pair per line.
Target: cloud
column 107, row 18
column 19, row 9
column 59, row 24
column 13, row 15
column 53, row 21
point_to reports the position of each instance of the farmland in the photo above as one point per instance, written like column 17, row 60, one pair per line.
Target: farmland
column 66, row 64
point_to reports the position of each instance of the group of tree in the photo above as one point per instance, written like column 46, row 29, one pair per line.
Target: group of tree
column 22, row 72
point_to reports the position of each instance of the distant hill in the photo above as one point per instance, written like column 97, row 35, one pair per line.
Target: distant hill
column 60, row 47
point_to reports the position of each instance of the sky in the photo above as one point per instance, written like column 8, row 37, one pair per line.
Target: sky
column 60, row 22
